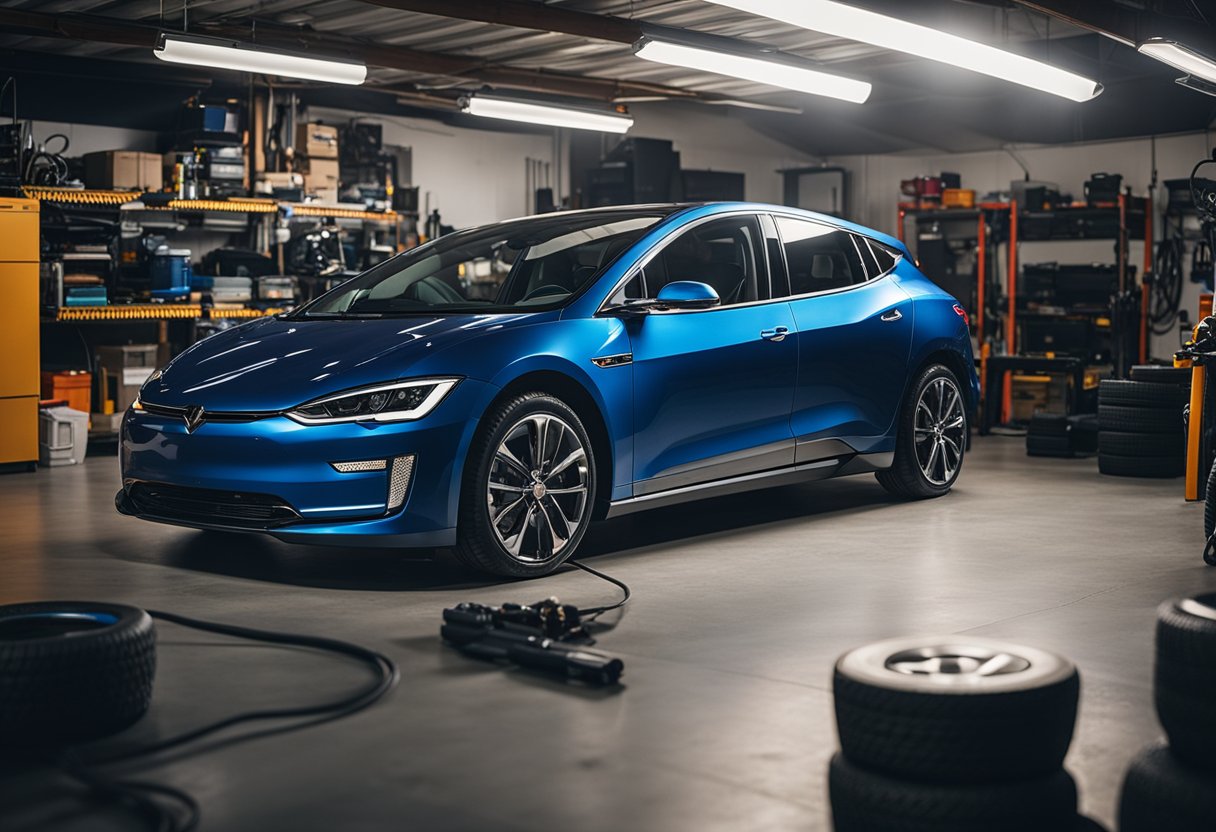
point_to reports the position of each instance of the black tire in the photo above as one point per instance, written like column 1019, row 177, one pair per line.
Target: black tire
column 863, row 801
column 1140, row 394
column 1185, row 678
column 477, row 545
column 1158, row 374
column 1058, row 446
column 905, row 479
column 1159, row 467
column 1120, row 443
column 1209, row 505
column 954, row 728
column 1161, row 793
column 73, row 671
column 1140, row 419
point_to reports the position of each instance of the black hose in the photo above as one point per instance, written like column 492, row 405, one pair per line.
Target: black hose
column 139, row 796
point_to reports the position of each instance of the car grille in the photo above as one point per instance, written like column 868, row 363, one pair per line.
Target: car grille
column 217, row 508
column 230, row 416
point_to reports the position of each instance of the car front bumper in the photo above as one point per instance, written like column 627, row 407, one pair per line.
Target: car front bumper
column 275, row 476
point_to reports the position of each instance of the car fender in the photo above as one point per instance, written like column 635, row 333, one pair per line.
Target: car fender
column 566, row 348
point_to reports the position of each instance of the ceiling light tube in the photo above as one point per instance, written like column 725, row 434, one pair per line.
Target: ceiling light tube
column 221, row 53
column 532, row 113
column 852, row 23
column 1179, row 57
column 773, row 73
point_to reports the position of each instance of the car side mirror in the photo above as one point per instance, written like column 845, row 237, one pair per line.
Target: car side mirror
column 687, row 294
column 679, row 294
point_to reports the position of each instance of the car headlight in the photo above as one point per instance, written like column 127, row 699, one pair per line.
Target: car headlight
column 397, row 402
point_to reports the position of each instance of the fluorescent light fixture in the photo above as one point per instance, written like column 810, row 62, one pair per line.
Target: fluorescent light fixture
column 852, row 23
column 221, row 53
column 775, row 74
column 532, row 113
column 1180, row 57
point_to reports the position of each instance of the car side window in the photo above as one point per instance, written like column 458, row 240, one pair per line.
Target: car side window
column 725, row 253
column 884, row 256
column 819, row 258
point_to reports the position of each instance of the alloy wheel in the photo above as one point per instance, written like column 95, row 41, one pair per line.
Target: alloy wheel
column 941, row 431
column 537, row 488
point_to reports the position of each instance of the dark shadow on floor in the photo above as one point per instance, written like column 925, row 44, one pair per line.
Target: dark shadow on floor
column 261, row 558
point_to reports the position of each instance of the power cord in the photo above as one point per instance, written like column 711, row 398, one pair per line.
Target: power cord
column 138, row 796
column 548, row 636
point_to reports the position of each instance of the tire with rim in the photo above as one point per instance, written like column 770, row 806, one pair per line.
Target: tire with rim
column 955, row 709
column 932, row 437
column 528, row 488
column 73, row 671
column 1185, row 678
column 863, row 801
column 1161, row 793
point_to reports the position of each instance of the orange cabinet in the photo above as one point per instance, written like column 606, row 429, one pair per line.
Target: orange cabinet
column 18, row 331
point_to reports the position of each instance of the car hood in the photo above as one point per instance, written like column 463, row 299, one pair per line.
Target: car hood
column 278, row 363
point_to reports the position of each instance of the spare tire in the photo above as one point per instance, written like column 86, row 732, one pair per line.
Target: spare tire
column 1160, row 793
column 71, row 671
column 1140, row 419
column 1185, row 678
column 956, row 709
column 1162, row 467
column 1120, row 443
column 1158, row 374
column 1209, row 505
column 1140, row 393
column 863, row 801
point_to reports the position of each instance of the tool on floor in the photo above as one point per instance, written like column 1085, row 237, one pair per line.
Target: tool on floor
column 547, row 636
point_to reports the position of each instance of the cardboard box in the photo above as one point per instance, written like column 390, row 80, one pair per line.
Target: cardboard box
column 322, row 175
column 124, row 370
column 317, row 141
column 123, row 170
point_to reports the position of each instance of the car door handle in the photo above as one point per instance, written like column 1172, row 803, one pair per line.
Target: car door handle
column 777, row 333
column 893, row 315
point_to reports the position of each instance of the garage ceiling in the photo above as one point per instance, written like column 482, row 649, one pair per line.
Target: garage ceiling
column 425, row 60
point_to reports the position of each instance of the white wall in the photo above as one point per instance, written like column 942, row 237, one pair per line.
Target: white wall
column 711, row 138
column 875, row 189
column 90, row 138
column 472, row 176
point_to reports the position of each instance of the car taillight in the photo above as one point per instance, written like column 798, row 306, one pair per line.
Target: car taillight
column 962, row 313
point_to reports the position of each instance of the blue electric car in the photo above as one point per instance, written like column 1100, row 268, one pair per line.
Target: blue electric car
column 497, row 389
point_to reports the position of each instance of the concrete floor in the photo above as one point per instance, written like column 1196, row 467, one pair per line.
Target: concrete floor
column 725, row 718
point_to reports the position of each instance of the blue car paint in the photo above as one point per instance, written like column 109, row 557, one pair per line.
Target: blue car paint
column 703, row 392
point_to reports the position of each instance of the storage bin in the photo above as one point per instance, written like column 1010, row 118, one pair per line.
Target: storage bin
column 63, row 436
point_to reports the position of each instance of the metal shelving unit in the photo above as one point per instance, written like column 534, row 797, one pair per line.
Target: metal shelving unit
column 1133, row 222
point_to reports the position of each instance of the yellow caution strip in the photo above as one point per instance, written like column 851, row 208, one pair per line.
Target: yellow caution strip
column 80, row 197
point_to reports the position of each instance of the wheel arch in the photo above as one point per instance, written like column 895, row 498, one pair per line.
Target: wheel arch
column 583, row 403
column 956, row 364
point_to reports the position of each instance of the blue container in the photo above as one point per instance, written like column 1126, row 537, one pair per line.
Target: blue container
column 171, row 273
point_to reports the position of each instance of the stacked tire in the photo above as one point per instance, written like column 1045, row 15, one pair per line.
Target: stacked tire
column 1171, row 785
column 1141, row 427
column 953, row 734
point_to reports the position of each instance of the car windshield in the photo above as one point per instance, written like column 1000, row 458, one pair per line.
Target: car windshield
column 529, row 264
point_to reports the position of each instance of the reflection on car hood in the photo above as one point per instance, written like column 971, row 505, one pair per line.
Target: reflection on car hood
column 277, row 363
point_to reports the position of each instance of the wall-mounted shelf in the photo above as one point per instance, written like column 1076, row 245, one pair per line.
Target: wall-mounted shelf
column 154, row 312
column 133, row 201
